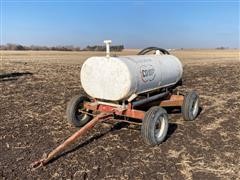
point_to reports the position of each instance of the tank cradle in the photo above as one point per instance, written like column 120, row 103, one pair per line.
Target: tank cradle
column 170, row 100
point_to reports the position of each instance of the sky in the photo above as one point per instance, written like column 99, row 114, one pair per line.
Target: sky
column 134, row 24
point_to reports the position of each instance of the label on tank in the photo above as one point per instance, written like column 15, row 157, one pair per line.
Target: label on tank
column 147, row 72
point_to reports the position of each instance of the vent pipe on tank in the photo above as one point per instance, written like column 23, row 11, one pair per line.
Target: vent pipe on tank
column 107, row 42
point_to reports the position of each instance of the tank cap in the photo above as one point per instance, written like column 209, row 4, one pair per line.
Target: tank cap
column 107, row 42
column 157, row 52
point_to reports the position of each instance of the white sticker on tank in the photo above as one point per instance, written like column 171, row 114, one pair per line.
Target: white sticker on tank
column 147, row 73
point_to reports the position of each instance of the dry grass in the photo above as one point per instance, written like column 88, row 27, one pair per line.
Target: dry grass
column 188, row 56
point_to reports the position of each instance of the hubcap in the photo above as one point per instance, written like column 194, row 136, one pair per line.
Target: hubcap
column 79, row 114
column 195, row 108
column 159, row 128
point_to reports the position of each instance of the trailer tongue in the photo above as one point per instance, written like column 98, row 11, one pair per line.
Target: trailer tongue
column 69, row 141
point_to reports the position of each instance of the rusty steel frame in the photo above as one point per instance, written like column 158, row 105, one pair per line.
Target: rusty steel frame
column 172, row 101
column 107, row 112
column 129, row 111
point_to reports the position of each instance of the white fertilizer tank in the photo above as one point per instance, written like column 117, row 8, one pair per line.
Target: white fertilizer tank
column 118, row 78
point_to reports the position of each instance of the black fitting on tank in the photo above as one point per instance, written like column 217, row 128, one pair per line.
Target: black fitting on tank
column 148, row 49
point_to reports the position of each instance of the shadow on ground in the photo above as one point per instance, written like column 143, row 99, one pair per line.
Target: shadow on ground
column 13, row 75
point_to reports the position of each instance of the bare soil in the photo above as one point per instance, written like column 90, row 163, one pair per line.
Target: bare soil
column 34, row 95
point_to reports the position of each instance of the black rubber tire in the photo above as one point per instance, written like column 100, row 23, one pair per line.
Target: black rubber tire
column 75, row 117
column 156, row 115
column 190, row 106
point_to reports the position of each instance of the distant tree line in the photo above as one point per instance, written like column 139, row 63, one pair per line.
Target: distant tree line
column 39, row 48
column 103, row 48
column 222, row 48
column 58, row 48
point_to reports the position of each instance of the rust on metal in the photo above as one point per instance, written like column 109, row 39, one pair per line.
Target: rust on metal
column 69, row 141
column 132, row 113
column 122, row 120
column 174, row 100
column 137, row 114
